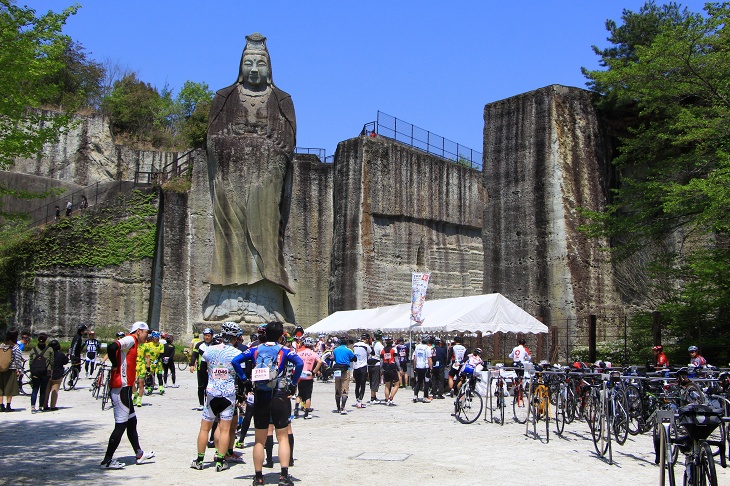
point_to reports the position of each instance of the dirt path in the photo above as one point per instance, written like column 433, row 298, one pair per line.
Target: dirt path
column 412, row 443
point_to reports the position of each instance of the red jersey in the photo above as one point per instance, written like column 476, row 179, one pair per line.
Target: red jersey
column 125, row 373
column 389, row 355
column 662, row 361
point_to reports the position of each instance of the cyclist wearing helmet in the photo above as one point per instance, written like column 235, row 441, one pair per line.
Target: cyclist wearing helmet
column 312, row 363
column 660, row 359
column 422, row 364
column 696, row 359
column 168, row 360
column 375, row 369
column 220, row 397
column 362, row 352
column 92, row 347
column 197, row 363
column 389, row 356
column 153, row 362
column 456, row 357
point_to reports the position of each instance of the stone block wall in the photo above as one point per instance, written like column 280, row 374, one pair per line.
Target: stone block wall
column 546, row 156
column 398, row 210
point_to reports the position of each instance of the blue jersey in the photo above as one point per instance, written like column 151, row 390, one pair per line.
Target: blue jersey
column 289, row 356
column 344, row 355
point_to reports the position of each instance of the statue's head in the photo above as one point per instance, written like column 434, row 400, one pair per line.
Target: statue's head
column 255, row 69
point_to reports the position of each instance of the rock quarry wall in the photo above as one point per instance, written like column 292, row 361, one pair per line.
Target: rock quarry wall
column 546, row 156
column 398, row 210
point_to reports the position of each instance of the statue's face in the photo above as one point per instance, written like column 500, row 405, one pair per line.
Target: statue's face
column 255, row 70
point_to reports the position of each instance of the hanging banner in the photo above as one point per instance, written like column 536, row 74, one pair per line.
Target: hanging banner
column 419, row 285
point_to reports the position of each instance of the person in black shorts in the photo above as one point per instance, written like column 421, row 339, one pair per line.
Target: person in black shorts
column 389, row 357
column 271, row 396
column 168, row 359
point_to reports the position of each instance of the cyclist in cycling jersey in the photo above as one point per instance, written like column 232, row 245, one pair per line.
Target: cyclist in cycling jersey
column 520, row 355
column 375, row 369
column 123, row 357
column 153, row 362
column 456, row 357
column 696, row 359
column 660, row 359
column 389, row 357
column 141, row 371
column 220, row 396
column 362, row 352
column 422, row 364
column 198, row 364
column 402, row 350
column 271, row 396
column 74, row 350
column 312, row 363
column 168, row 360
column 92, row 347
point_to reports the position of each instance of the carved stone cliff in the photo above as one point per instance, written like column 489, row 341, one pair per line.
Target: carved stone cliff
column 546, row 156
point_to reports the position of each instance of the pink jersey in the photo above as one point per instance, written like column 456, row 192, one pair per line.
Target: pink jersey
column 310, row 359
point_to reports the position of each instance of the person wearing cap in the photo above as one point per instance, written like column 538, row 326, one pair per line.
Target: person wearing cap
column 660, row 359
column 198, row 364
column 312, row 363
column 362, row 352
column 168, row 360
column 92, row 347
column 695, row 358
column 123, row 357
column 74, row 351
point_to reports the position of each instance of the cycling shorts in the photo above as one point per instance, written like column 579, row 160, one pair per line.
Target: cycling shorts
column 268, row 409
column 223, row 407
column 122, row 404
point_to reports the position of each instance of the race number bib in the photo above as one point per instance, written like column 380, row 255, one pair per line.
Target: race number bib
column 338, row 373
column 260, row 374
column 306, row 374
column 249, row 398
column 220, row 373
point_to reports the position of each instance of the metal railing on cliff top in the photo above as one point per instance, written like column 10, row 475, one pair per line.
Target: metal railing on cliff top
column 409, row 134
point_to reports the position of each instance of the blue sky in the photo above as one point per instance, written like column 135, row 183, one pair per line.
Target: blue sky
column 433, row 64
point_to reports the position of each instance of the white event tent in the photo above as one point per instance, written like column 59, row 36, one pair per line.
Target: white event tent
column 487, row 314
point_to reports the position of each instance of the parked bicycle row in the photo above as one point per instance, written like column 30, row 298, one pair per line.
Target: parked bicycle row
column 687, row 410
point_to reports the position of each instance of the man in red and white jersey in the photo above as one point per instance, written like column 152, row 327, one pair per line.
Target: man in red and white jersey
column 123, row 357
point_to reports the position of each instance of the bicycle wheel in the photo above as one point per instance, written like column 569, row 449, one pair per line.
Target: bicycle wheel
column 70, row 379
column 560, row 406
column 501, row 407
column 692, row 393
column 570, row 404
column 469, row 406
column 105, row 394
column 668, row 471
column 546, row 414
column 520, row 405
column 24, row 386
column 706, row 467
column 620, row 417
column 633, row 409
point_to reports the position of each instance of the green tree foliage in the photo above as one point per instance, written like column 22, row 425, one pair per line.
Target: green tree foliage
column 666, row 86
column 135, row 107
column 31, row 49
column 78, row 84
column 194, row 100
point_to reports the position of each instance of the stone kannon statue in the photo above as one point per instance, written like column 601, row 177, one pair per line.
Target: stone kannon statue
column 250, row 145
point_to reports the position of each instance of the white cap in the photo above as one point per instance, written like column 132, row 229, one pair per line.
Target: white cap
column 139, row 325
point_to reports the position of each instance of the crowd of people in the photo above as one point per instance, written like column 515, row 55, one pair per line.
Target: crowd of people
column 266, row 379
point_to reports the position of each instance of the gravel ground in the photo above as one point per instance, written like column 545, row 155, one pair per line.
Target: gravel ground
column 411, row 443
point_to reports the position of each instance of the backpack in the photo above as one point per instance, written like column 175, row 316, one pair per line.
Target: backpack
column 266, row 361
column 6, row 357
column 38, row 367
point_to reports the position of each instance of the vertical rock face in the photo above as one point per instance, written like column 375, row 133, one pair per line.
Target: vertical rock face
column 545, row 157
column 398, row 209
column 308, row 238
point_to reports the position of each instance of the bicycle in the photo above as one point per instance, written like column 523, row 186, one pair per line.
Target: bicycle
column 71, row 375
column 98, row 383
column 183, row 365
column 468, row 403
column 24, row 380
column 520, row 401
column 699, row 421
column 540, row 405
column 106, row 390
column 498, row 387
column 610, row 416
